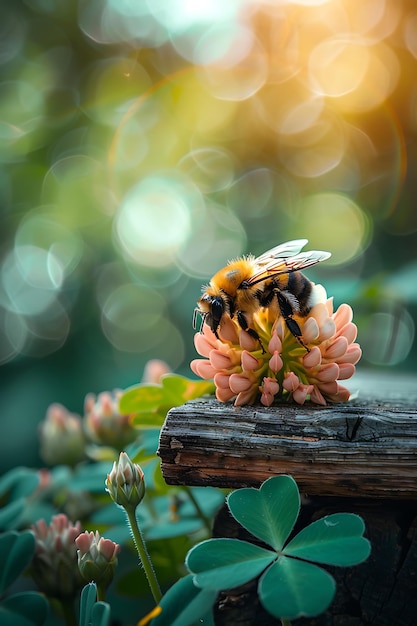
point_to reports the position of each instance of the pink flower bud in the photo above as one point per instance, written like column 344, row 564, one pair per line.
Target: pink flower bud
column 275, row 344
column 300, row 394
column 97, row 557
column 275, row 363
column 290, row 382
column 154, row 370
column 126, row 482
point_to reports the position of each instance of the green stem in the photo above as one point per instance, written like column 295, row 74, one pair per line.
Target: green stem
column 143, row 555
column 101, row 593
column 285, row 622
column 200, row 512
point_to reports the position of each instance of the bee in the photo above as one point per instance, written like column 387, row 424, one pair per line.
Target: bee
column 247, row 284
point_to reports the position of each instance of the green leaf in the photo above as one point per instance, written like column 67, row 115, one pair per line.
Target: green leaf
column 21, row 481
column 290, row 589
column 149, row 403
column 185, row 604
column 335, row 540
column 182, row 389
column 11, row 514
column 28, row 608
column 100, row 615
column 269, row 512
column 88, row 600
column 226, row 563
column 16, row 552
column 141, row 399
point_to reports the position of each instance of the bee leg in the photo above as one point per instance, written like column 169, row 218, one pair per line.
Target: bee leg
column 287, row 313
column 244, row 325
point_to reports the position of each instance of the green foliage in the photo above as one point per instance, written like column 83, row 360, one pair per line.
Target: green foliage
column 16, row 551
column 93, row 613
column 290, row 585
column 149, row 403
column 185, row 604
column 27, row 608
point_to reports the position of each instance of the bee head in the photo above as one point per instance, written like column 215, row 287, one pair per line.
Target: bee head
column 211, row 309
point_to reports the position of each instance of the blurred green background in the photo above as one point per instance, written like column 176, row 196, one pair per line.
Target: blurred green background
column 145, row 142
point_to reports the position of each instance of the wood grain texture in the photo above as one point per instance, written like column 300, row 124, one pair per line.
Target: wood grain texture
column 365, row 447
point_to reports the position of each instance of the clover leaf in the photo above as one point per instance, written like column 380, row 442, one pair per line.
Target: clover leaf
column 290, row 584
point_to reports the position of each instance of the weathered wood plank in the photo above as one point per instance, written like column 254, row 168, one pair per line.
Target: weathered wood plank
column 366, row 447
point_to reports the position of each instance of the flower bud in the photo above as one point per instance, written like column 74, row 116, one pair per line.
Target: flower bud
column 54, row 565
column 97, row 558
column 126, row 482
column 61, row 437
column 104, row 424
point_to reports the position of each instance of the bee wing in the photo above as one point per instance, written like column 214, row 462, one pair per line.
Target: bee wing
column 283, row 251
column 293, row 263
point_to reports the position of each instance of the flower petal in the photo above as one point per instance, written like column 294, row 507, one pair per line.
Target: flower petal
column 246, row 397
column 310, row 330
column 327, row 373
column 219, row 360
column 221, row 380
column 349, row 331
column 224, row 395
column 312, row 358
column 352, row 354
column 342, row 395
column 202, row 368
column 317, row 397
column 240, row 382
column 247, row 342
column 343, row 315
column 327, row 329
column 328, row 388
column 228, row 330
column 336, row 349
column 346, row 370
column 249, row 362
column 204, row 344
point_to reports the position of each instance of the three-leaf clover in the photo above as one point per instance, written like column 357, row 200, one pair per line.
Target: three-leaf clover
column 291, row 585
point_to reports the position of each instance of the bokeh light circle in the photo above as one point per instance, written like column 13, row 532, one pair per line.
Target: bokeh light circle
column 389, row 337
column 334, row 222
column 155, row 218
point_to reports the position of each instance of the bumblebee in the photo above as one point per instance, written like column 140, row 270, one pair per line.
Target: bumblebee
column 249, row 283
